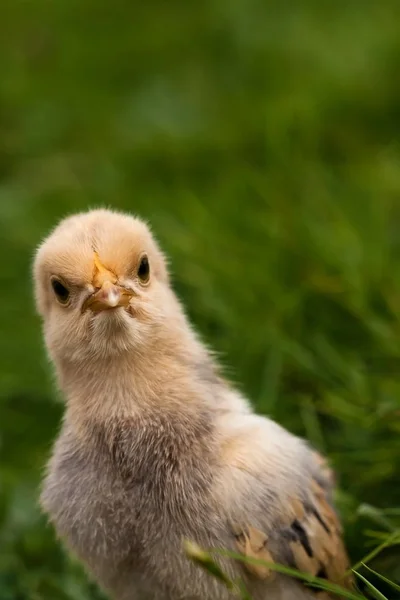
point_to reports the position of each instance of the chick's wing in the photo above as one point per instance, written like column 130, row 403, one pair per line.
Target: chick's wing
column 307, row 538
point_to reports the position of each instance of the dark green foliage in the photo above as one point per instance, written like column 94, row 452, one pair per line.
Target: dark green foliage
column 261, row 140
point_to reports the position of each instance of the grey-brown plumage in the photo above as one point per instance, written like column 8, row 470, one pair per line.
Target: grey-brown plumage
column 155, row 446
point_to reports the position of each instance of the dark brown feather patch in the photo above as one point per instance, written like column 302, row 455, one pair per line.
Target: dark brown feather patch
column 311, row 542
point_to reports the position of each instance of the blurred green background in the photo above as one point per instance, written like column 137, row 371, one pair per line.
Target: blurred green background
column 261, row 140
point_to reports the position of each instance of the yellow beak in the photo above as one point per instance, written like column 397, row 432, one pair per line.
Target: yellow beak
column 110, row 295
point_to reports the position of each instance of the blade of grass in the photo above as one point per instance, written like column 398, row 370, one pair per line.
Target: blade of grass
column 203, row 558
column 205, row 561
column 391, row 512
column 385, row 579
column 392, row 540
column 312, row 581
column 312, row 424
column 378, row 536
column 366, row 510
column 376, row 593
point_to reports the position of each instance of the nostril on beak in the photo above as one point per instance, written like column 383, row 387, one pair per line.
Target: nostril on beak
column 108, row 296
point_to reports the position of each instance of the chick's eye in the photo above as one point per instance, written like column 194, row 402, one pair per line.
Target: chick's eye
column 60, row 291
column 144, row 269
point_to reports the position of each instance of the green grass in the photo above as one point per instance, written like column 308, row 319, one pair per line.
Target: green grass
column 261, row 140
column 205, row 559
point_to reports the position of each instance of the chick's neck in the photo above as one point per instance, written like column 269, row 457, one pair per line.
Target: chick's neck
column 174, row 375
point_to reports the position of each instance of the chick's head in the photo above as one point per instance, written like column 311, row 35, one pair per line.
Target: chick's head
column 101, row 286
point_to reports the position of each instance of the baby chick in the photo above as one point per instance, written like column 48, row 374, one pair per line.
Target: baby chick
column 155, row 446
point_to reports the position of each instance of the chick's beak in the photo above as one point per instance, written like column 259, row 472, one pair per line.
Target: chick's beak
column 110, row 294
